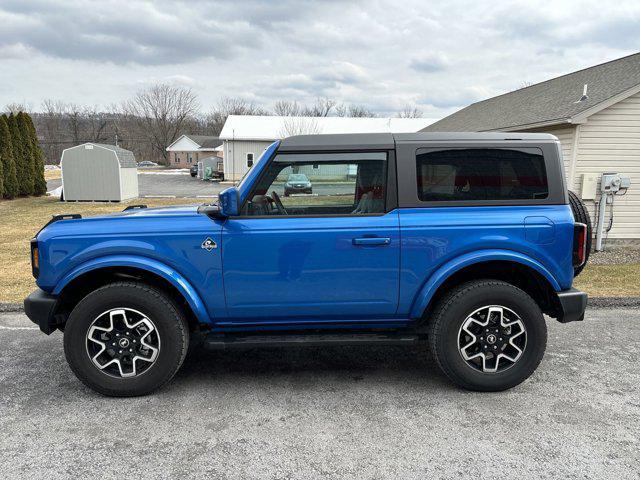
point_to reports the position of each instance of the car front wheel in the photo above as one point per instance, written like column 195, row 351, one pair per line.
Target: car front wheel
column 488, row 335
column 126, row 339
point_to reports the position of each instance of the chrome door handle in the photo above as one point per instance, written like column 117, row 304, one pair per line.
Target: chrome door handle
column 372, row 241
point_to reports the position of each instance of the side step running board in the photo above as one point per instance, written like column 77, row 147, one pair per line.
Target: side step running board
column 227, row 341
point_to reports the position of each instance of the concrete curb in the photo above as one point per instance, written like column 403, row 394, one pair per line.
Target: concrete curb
column 613, row 302
column 594, row 302
column 11, row 307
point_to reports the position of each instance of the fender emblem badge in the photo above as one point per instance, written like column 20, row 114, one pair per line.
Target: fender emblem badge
column 209, row 244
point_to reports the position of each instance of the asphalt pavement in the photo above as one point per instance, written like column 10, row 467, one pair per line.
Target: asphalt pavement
column 182, row 185
column 341, row 412
column 167, row 184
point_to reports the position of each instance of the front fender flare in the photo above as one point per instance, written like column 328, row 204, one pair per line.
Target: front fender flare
column 143, row 263
column 438, row 277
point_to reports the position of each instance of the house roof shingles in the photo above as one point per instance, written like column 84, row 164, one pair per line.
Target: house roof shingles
column 125, row 157
column 549, row 101
column 205, row 141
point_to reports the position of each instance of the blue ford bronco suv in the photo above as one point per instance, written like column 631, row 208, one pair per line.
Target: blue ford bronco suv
column 458, row 241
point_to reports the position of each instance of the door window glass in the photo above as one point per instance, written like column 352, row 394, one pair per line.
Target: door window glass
column 321, row 184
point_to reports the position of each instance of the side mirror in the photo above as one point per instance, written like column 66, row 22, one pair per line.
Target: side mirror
column 229, row 202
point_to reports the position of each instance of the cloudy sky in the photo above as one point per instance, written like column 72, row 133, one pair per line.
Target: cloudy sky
column 438, row 56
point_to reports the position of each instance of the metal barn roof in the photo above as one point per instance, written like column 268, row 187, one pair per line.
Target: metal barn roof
column 269, row 128
column 125, row 157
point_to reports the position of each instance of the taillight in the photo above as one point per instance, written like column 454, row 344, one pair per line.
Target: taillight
column 35, row 258
column 579, row 244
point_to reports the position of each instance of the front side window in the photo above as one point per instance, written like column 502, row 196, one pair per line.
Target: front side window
column 469, row 174
column 321, row 184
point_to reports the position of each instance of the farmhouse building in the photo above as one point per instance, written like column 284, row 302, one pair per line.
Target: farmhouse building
column 187, row 150
column 245, row 137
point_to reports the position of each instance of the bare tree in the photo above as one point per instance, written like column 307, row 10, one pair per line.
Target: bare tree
column 286, row 108
column 231, row 106
column 15, row 108
column 160, row 113
column 354, row 111
column 299, row 126
column 410, row 112
column 321, row 108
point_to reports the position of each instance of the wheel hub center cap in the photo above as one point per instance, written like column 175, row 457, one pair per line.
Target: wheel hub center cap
column 491, row 339
column 123, row 342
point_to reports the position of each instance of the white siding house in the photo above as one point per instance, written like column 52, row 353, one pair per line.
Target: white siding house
column 188, row 150
column 599, row 132
column 245, row 137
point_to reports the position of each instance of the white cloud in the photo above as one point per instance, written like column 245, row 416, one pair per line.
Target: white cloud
column 380, row 53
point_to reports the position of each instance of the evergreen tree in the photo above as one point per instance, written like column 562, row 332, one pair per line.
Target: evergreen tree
column 29, row 149
column 1, row 176
column 19, row 155
column 39, row 183
column 8, row 163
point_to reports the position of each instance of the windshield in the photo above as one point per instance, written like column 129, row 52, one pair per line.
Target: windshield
column 298, row 177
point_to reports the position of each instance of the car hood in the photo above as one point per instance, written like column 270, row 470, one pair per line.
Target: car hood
column 161, row 219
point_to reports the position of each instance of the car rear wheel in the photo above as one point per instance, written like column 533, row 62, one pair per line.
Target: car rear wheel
column 487, row 335
column 126, row 339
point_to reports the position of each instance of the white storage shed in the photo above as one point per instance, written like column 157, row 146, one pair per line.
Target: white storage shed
column 99, row 173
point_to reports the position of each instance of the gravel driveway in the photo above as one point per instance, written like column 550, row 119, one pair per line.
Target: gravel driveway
column 331, row 412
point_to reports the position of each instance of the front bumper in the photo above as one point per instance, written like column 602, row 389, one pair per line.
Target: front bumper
column 573, row 304
column 40, row 307
column 298, row 189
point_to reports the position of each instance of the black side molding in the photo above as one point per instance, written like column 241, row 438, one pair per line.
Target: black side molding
column 573, row 303
column 215, row 341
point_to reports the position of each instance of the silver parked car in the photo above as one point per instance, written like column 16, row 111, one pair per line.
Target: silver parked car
column 297, row 183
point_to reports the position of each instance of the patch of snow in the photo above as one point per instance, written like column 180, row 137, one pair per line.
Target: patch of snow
column 55, row 192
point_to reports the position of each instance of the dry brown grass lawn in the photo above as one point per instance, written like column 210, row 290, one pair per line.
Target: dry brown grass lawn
column 20, row 219
column 52, row 174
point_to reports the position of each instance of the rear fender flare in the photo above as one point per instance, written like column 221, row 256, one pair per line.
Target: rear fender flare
column 143, row 263
column 426, row 293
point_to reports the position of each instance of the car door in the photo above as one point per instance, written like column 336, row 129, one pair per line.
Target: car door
column 332, row 254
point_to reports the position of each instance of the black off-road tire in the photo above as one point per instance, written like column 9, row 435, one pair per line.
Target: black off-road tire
column 167, row 317
column 449, row 316
column 581, row 215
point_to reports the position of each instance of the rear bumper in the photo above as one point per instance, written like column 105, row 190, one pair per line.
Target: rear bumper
column 573, row 304
column 40, row 307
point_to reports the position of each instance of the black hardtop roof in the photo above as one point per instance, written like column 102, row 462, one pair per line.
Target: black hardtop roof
column 385, row 141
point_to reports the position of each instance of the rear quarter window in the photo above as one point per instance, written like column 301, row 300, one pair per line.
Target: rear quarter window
column 468, row 174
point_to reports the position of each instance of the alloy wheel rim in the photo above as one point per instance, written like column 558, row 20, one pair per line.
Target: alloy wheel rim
column 492, row 339
column 123, row 343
